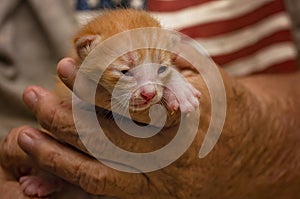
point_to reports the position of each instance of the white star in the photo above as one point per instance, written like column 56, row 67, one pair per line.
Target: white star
column 137, row 4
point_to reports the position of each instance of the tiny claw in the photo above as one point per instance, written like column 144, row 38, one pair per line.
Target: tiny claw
column 197, row 93
column 174, row 106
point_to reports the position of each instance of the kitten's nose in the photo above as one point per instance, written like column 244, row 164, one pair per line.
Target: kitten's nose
column 148, row 92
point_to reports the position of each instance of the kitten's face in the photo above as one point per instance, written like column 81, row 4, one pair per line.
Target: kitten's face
column 130, row 78
column 138, row 78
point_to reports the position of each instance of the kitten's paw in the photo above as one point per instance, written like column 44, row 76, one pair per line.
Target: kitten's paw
column 188, row 104
column 171, row 100
column 38, row 186
column 183, row 96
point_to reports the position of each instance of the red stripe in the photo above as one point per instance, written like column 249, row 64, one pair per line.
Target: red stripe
column 170, row 6
column 284, row 67
column 224, row 26
column 275, row 38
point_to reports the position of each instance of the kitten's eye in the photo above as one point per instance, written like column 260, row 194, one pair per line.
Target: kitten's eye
column 126, row 72
column 162, row 69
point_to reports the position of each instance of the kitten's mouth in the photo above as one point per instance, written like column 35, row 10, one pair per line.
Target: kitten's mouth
column 139, row 106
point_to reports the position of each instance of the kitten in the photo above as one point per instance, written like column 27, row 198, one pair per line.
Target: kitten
column 145, row 84
column 140, row 83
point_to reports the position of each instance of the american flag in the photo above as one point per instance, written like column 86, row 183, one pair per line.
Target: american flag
column 109, row 4
column 242, row 36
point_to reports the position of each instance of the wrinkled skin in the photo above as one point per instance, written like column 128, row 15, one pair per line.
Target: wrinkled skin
column 257, row 155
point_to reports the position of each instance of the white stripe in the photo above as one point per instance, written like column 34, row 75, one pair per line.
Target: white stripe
column 262, row 60
column 208, row 12
column 232, row 42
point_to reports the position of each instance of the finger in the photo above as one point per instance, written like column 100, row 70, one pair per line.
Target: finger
column 68, row 71
column 12, row 156
column 77, row 168
column 53, row 114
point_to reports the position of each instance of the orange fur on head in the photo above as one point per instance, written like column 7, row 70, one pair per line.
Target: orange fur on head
column 107, row 25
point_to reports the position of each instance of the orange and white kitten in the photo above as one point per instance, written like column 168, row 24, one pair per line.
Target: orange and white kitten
column 140, row 83
column 143, row 84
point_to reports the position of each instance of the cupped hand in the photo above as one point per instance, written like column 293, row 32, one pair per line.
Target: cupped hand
column 234, row 169
column 91, row 175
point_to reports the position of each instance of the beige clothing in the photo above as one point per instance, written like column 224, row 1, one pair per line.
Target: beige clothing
column 34, row 35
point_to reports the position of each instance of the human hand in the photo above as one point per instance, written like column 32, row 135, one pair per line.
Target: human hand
column 234, row 160
column 15, row 163
column 57, row 118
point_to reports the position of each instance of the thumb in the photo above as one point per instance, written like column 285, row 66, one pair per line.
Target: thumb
column 68, row 72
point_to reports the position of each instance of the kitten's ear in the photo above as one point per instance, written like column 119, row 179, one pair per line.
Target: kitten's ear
column 85, row 44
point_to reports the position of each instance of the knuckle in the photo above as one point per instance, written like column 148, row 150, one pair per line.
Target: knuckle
column 58, row 121
column 11, row 138
column 8, row 146
column 52, row 119
column 46, row 117
column 50, row 161
column 92, row 180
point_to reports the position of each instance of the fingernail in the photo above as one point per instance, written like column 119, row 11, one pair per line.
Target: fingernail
column 66, row 69
column 27, row 139
column 30, row 99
